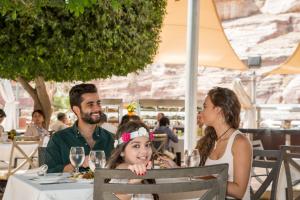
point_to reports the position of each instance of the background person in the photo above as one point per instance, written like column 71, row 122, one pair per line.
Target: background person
column 37, row 128
column 163, row 128
column 61, row 123
column 107, row 126
column 2, row 116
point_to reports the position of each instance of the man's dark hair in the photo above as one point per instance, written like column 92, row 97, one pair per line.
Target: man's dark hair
column 61, row 116
column 164, row 121
column 77, row 91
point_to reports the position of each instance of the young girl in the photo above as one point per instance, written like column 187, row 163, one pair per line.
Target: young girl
column 133, row 152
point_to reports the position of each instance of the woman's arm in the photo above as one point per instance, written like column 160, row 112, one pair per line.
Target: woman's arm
column 242, row 160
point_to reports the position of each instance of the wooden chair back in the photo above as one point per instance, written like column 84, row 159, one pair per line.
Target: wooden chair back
column 271, row 160
column 159, row 143
column 18, row 151
column 291, row 159
column 214, row 187
column 42, row 155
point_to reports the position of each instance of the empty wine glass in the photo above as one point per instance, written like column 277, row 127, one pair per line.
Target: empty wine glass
column 195, row 158
column 77, row 157
column 97, row 159
column 191, row 159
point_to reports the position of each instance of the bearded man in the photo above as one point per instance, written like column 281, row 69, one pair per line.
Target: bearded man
column 86, row 104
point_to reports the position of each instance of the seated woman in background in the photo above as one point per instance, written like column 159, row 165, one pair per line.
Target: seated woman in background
column 163, row 128
column 36, row 128
column 223, row 142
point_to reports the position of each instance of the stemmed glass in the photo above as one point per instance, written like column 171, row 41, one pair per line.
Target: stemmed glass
column 77, row 157
column 97, row 159
column 191, row 159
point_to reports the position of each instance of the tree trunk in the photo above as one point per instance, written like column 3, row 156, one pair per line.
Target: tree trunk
column 40, row 97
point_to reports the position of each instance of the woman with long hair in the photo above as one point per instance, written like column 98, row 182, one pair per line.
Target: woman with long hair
column 223, row 142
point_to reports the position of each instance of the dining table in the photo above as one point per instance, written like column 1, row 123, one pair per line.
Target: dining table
column 56, row 186
column 59, row 186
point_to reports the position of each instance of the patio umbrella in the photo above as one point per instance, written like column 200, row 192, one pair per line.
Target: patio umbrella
column 192, row 34
column 291, row 66
column 214, row 47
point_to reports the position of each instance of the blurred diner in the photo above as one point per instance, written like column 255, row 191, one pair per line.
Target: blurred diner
column 163, row 128
column 2, row 116
column 61, row 123
column 37, row 126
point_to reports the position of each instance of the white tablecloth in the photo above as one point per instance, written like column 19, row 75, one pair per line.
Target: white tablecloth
column 20, row 187
column 281, row 194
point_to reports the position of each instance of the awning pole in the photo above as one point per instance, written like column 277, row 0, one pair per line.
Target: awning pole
column 191, row 74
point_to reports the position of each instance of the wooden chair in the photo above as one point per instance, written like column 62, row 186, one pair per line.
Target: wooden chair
column 289, row 154
column 17, row 150
column 159, row 143
column 214, row 187
column 271, row 160
column 257, row 145
column 41, row 155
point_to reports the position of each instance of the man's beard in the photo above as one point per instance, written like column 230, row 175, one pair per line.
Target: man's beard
column 87, row 118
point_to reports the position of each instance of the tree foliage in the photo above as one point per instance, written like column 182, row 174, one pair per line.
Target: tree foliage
column 110, row 37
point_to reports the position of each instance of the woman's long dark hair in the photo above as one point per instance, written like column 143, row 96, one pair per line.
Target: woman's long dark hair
column 116, row 158
column 227, row 100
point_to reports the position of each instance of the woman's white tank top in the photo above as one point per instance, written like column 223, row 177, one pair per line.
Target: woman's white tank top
column 227, row 157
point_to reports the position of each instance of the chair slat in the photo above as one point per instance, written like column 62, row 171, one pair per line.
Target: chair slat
column 182, row 183
column 289, row 153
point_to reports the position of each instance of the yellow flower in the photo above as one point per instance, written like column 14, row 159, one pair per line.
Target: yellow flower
column 131, row 107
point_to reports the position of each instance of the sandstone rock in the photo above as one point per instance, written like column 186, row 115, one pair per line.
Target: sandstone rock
column 230, row 9
column 281, row 6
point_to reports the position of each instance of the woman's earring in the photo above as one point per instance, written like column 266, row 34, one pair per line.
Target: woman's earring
column 122, row 154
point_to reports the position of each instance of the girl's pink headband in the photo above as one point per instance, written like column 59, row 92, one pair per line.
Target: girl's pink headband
column 126, row 136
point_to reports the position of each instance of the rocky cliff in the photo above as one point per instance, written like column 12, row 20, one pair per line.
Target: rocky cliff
column 269, row 28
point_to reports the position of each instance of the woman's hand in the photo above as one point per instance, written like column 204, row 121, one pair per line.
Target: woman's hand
column 167, row 162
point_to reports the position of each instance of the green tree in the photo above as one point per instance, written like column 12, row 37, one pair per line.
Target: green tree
column 53, row 44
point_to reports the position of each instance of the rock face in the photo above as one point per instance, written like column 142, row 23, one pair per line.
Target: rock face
column 277, row 6
column 272, row 36
column 230, row 9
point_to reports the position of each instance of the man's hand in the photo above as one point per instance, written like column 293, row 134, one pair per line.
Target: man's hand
column 69, row 168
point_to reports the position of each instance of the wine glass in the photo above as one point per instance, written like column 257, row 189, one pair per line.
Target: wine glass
column 97, row 159
column 195, row 158
column 187, row 158
column 191, row 159
column 77, row 157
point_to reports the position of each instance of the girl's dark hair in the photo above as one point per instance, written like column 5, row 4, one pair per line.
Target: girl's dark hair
column 131, row 126
column 126, row 118
column 227, row 100
column 115, row 158
column 164, row 121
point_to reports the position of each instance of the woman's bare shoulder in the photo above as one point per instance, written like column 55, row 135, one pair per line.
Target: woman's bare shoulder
column 241, row 142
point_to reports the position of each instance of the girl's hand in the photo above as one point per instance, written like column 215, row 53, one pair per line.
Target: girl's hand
column 140, row 169
column 167, row 162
